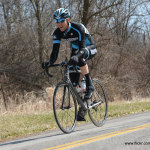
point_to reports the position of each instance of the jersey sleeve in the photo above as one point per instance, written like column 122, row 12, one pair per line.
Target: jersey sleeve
column 83, row 34
column 56, row 46
column 81, row 37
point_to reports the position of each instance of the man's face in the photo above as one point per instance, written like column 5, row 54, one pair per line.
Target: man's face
column 63, row 25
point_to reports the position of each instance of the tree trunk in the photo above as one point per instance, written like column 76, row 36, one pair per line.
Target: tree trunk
column 36, row 6
column 85, row 12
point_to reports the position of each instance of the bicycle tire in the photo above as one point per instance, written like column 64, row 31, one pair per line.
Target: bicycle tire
column 65, row 115
column 98, row 114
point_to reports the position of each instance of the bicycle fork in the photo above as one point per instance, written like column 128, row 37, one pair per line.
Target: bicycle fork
column 64, row 95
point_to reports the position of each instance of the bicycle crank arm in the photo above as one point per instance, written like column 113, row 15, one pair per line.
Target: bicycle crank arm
column 93, row 105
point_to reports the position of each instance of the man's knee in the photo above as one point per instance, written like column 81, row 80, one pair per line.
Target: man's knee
column 81, row 62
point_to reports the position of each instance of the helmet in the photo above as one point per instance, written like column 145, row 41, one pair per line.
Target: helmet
column 61, row 14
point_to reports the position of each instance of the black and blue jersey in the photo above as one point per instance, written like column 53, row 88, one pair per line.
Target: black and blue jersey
column 78, row 36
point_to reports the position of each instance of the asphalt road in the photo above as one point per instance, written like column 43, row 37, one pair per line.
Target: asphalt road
column 126, row 133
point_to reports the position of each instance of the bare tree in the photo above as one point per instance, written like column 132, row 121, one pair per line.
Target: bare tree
column 101, row 7
column 6, row 6
column 37, row 6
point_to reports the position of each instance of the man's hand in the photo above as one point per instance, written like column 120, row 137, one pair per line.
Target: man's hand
column 74, row 60
column 46, row 64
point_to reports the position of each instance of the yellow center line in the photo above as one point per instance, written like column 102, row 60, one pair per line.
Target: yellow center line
column 97, row 138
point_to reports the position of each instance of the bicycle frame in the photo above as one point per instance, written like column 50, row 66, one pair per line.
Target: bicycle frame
column 68, row 82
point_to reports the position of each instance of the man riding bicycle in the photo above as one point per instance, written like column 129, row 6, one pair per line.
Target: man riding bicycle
column 83, row 48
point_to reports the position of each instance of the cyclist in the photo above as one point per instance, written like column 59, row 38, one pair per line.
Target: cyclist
column 83, row 48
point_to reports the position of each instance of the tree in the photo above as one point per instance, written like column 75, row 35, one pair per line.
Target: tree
column 97, row 10
column 6, row 6
column 38, row 13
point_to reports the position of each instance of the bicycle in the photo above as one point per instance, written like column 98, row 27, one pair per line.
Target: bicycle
column 66, row 98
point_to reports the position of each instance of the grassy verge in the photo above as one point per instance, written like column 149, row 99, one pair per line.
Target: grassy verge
column 16, row 125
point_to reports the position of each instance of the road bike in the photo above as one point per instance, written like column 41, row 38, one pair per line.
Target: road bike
column 68, row 98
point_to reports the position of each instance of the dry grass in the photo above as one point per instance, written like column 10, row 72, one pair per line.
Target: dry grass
column 29, row 103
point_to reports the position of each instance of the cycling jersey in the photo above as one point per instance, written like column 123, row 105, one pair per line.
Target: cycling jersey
column 79, row 38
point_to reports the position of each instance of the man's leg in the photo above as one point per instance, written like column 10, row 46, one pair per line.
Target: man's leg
column 84, row 70
column 89, row 85
column 89, row 91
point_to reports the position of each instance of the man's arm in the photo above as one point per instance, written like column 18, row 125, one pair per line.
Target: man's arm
column 54, row 53
column 56, row 46
column 82, row 41
column 82, row 37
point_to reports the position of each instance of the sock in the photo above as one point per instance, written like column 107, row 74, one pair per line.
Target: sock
column 88, row 80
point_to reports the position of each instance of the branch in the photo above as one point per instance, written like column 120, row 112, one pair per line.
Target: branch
column 105, row 8
column 33, row 6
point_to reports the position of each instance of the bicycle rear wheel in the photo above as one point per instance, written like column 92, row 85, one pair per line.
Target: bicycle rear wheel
column 65, row 108
column 98, row 106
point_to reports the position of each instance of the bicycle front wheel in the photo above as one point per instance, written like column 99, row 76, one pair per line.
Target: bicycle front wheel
column 98, row 106
column 64, row 107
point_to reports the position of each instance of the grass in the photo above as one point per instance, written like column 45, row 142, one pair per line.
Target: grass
column 25, row 124
column 120, row 109
column 14, row 125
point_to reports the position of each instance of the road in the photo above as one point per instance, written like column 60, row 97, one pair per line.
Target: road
column 126, row 133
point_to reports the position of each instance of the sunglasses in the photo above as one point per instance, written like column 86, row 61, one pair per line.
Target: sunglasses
column 60, row 21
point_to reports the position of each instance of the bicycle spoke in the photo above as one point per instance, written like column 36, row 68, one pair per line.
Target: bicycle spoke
column 98, row 105
column 65, row 108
